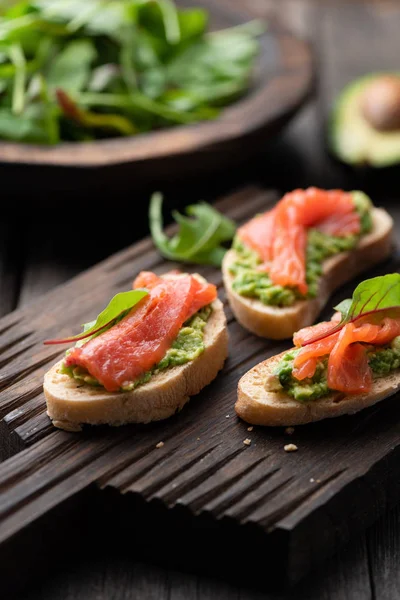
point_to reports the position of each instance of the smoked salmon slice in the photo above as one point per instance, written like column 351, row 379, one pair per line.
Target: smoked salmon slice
column 140, row 340
column 279, row 236
column 348, row 369
column 204, row 294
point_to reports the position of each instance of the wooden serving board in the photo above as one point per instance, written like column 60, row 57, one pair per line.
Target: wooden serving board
column 260, row 510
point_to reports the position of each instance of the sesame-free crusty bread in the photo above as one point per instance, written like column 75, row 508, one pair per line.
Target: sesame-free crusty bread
column 281, row 322
column 71, row 404
column 258, row 406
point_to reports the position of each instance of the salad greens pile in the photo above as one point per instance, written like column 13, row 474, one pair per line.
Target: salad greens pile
column 80, row 70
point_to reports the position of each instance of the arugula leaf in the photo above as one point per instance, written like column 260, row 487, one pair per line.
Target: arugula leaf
column 119, row 305
column 373, row 299
column 200, row 234
column 344, row 307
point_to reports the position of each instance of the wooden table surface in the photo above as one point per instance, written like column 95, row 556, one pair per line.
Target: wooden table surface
column 39, row 249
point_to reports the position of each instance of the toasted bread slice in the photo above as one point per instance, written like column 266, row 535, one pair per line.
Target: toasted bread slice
column 258, row 406
column 71, row 404
column 280, row 323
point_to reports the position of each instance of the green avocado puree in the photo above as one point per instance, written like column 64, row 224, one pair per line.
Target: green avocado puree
column 247, row 281
column 382, row 361
column 188, row 345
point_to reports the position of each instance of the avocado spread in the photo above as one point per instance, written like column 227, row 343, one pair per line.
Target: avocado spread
column 382, row 361
column 188, row 345
column 248, row 281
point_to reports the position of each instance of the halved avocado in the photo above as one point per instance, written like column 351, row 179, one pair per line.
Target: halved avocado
column 364, row 127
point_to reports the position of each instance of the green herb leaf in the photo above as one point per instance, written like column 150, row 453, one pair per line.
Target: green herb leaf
column 200, row 234
column 31, row 126
column 216, row 67
column 94, row 120
column 373, row 299
column 70, row 70
column 18, row 59
column 372, row 295
column 119, row 305
column 343, row 307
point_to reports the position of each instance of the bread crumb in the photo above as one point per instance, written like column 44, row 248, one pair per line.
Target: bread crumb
column 318, row 481
column 198, row 439
column 160, row 445
column 250, row 428
column 226, row 416
column 247, row 442
column 312, row 480
column 289, row 430
column 290, row 448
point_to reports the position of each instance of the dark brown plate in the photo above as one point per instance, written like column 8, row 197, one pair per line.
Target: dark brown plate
column 282, row 81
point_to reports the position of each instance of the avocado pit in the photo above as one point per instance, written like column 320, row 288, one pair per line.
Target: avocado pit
column 380, row 103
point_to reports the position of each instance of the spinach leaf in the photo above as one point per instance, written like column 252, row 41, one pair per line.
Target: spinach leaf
column 31, row 126
column 215, row 67
column 200, row 234
column 70, row 70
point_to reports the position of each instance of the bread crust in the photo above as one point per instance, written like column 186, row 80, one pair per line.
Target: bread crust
column 280, row 323
column 258, row 406
column 71, row 404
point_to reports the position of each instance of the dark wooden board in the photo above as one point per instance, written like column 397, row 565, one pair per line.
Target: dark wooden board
column 204, row 482
column 282, row 82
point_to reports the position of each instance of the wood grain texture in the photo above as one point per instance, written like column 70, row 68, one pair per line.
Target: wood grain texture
column 283, row 80
column 203, row 469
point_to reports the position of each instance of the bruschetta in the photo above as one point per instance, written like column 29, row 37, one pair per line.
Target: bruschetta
column 146, row 363
column 285, row 263
column 336, row 367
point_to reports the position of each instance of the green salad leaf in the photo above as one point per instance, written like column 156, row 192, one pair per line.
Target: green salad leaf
column 373, row 299
column 372, row 295
column 71, row 68
column 89, row 119
column 118, row 307
column 200, row 236
column 137, row 65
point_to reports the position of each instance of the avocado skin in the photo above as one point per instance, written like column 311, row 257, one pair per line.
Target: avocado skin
column 366, row 156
